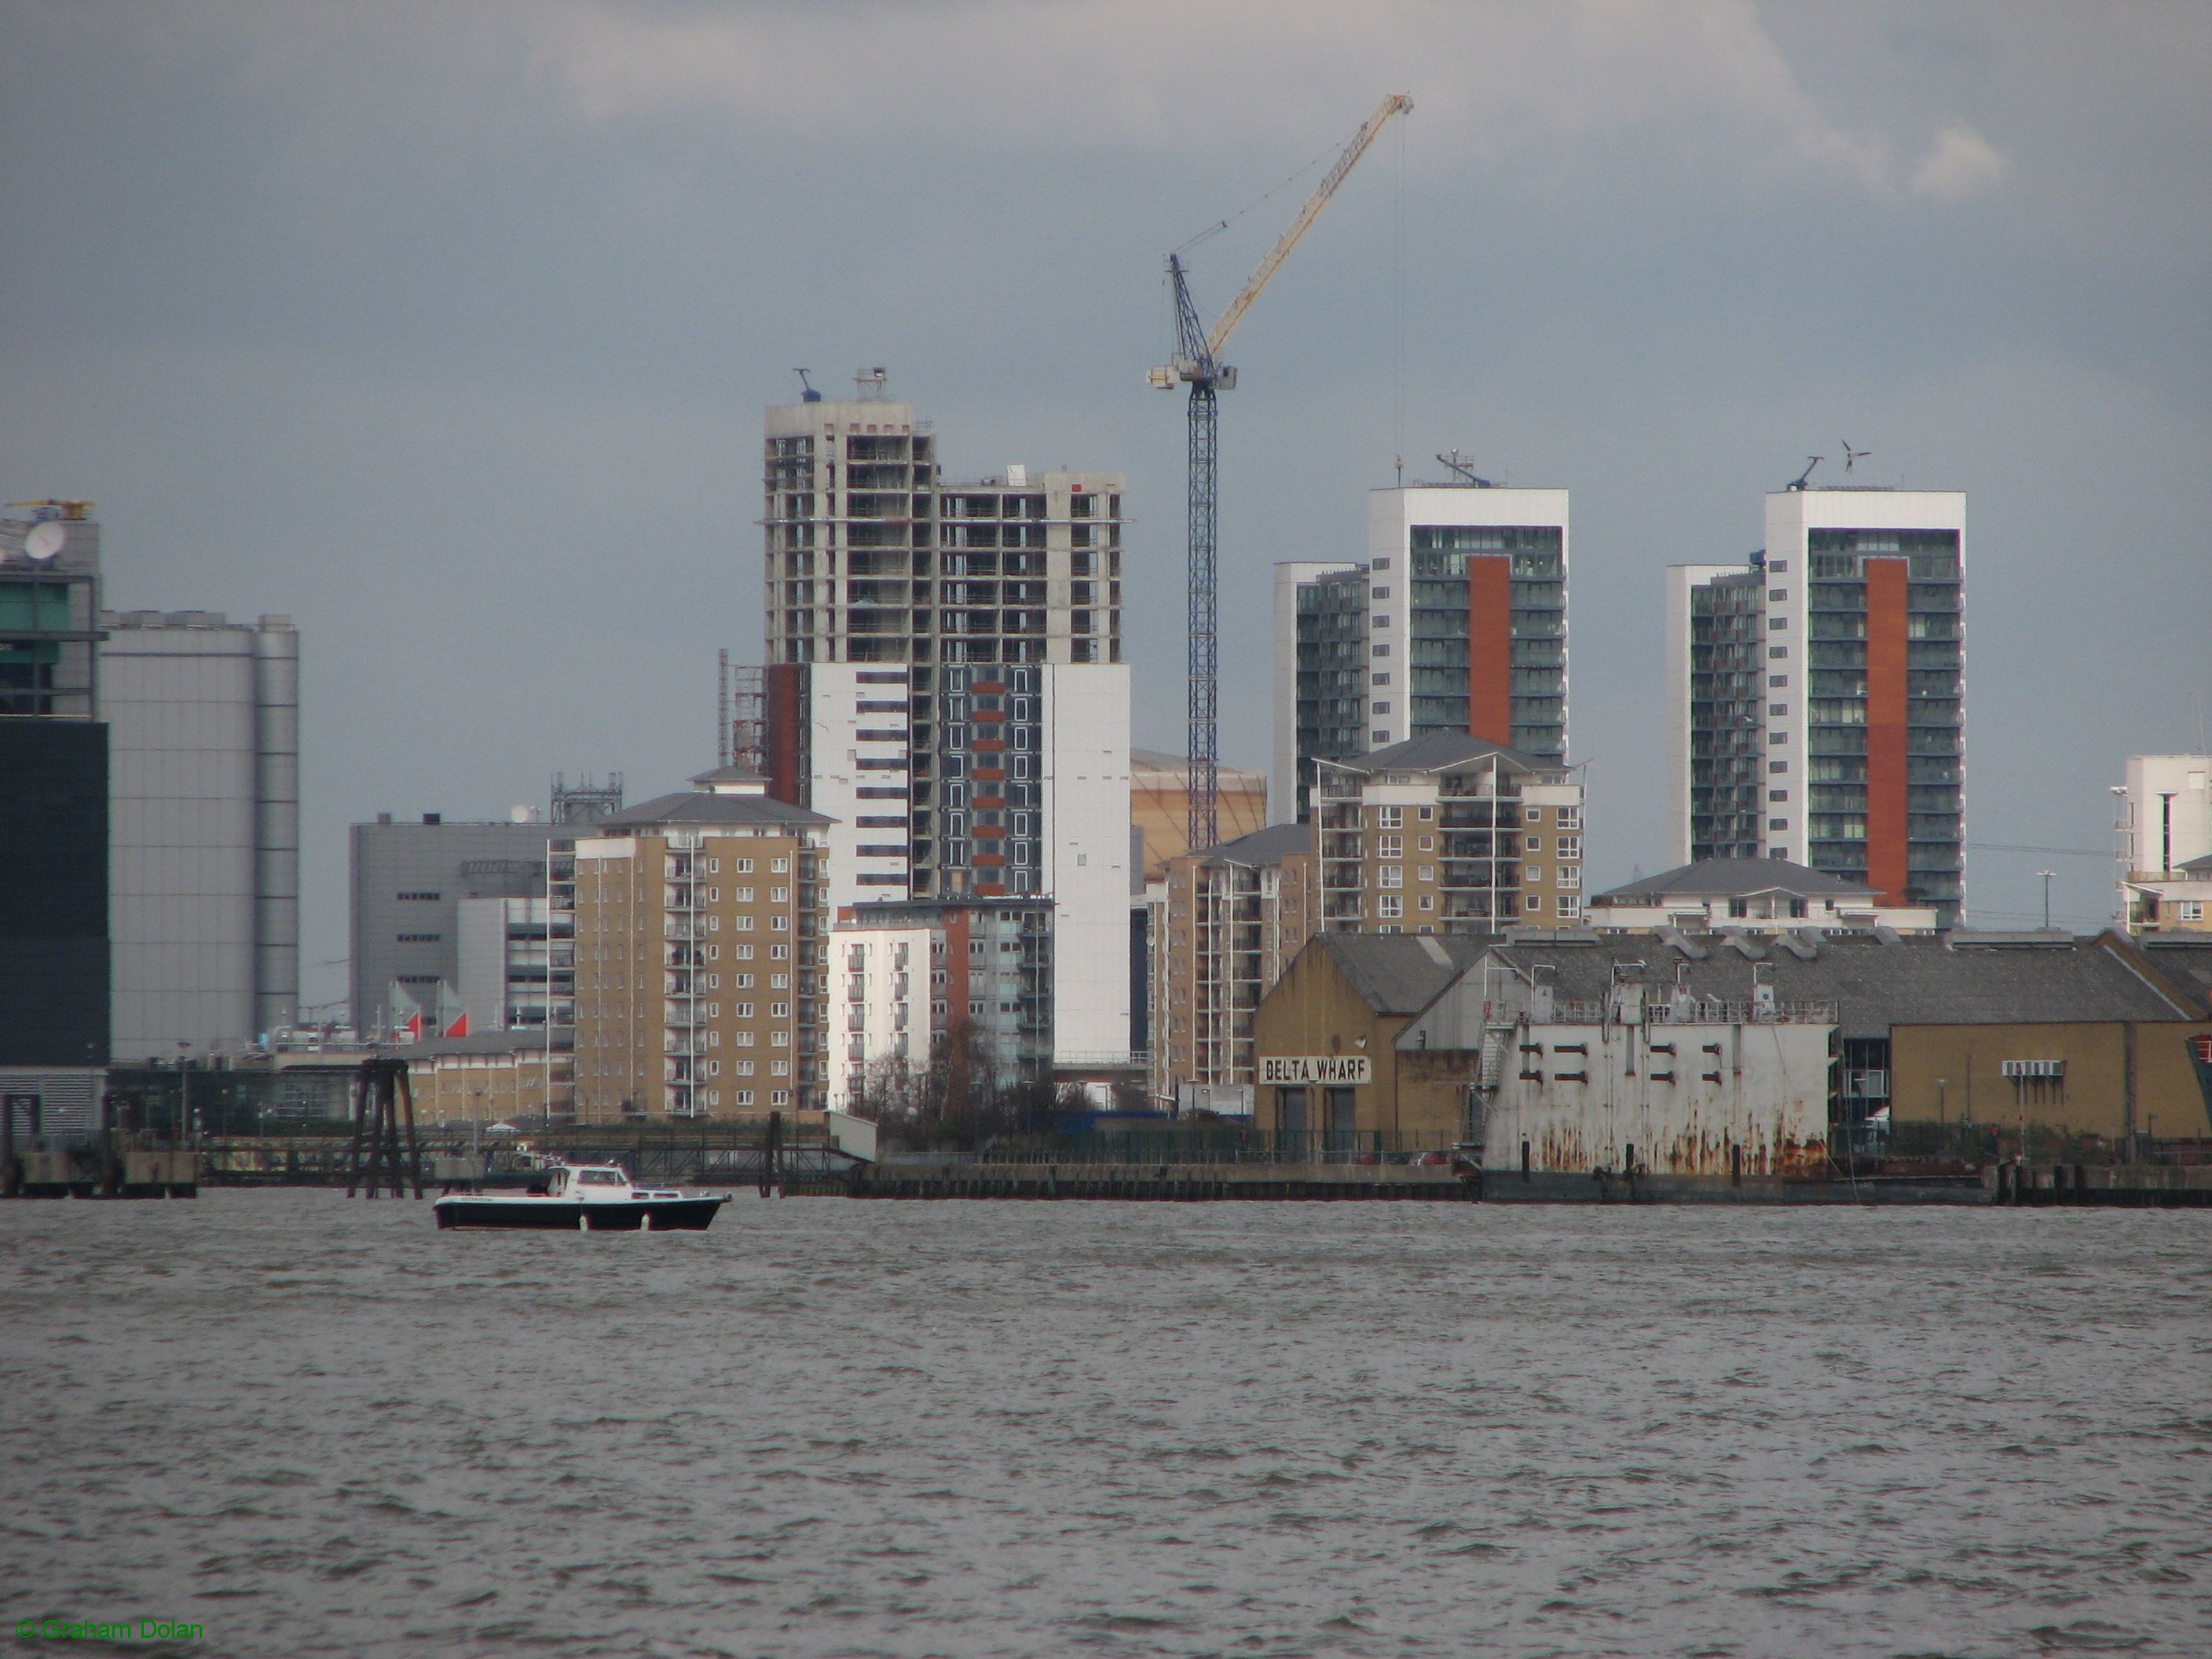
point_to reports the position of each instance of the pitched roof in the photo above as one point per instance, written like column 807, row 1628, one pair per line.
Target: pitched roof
column 2201, row 865
column 1264, row 846
column 1400, row 973
column 1435, row 752
column 1877, row 981
column 697, row 806
column 1735, row 878
column 2185, row 959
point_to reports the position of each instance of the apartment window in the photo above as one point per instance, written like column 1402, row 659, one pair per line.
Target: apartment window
column 1532, row 843
column 779, row 1011
column 2189, row 910
column 420, row 939
column 1382, row 679
column 1533, row 902
column 1778, row 824
column 1378, row 739
column 1777, row 650
column 744, row 868
column 1381, row 621
column 1428, row 843
column 1571, row 906
column 1777, row 794
column 1390, row 817
column 1389, row 906
column 778, row 954
column 1532, row 873
column 1778, row 567
column 779, row 867
column 745, row 1009
column 1778, row 766
column 1777, row 595
column 1569, row 847
column 1383, row 708
column 1778, row 623
column 714, row 866
column 1382, row 650
column 1378, row 592
column 1777, row 708
column 779, row 895
column 1389, row 846
column 1777, row 736
column 1428, row 872
column 1778, row 681
column 431, row 898
column 745, row 894
column 714, row 895
column 1390, row 875
column 1571, row 817
column 1428, row 901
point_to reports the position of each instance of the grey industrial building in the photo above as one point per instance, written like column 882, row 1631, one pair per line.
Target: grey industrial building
column 410, row 882
column 204, row 850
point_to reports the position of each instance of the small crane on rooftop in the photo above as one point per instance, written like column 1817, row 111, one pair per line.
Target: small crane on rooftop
column 1197, row 365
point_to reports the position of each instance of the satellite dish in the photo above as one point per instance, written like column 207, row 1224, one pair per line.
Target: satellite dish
column 44, row 541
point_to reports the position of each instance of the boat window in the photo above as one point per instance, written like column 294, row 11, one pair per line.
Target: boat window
column 604, row 1178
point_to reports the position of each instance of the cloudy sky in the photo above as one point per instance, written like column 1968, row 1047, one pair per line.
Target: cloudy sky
column 446, row 331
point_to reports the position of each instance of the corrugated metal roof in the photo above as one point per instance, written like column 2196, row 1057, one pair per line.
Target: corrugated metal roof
column 1921, row 980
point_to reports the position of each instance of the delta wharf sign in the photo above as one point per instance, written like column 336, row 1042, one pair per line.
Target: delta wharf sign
column 1294, row 1069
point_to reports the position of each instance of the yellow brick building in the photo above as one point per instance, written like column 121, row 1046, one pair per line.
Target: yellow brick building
column 701, row 965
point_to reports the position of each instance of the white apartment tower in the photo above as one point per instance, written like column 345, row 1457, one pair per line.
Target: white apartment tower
column 944, row 680
column 1456, row 623
column 1815, row 693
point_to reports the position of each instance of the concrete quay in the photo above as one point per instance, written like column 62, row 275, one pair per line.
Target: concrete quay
column 1155, row 1183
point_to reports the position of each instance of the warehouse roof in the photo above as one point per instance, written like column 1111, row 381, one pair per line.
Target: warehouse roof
column 1401, row 973
column 1879, row 979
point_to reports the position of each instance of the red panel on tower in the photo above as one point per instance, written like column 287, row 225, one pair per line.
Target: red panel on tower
column 1490, row 649
column 1886, row 651
column 786, row 716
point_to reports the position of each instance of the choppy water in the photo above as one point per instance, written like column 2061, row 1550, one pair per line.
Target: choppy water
column 828, row 1427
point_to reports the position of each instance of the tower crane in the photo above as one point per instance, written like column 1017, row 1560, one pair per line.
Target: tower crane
column 1197, row 365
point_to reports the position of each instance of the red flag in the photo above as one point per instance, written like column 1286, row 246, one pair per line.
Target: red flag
column 460, row 1025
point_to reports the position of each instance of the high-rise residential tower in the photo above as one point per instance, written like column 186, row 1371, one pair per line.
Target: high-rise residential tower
column 1815, row 693
column 945, row 682
column 1457, row 621
column 54, row 1008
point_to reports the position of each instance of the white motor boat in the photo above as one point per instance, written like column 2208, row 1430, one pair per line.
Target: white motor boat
column 589, row 1198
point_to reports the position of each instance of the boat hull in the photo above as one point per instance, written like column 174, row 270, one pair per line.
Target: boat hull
column 625, row 1216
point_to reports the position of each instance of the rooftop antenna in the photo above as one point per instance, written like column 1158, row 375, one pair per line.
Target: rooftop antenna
column 1798, row 483
column 807, row 394
column 1851, row 455
column 1463, row 465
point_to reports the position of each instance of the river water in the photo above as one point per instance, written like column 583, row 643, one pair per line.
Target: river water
column 316, row 1426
